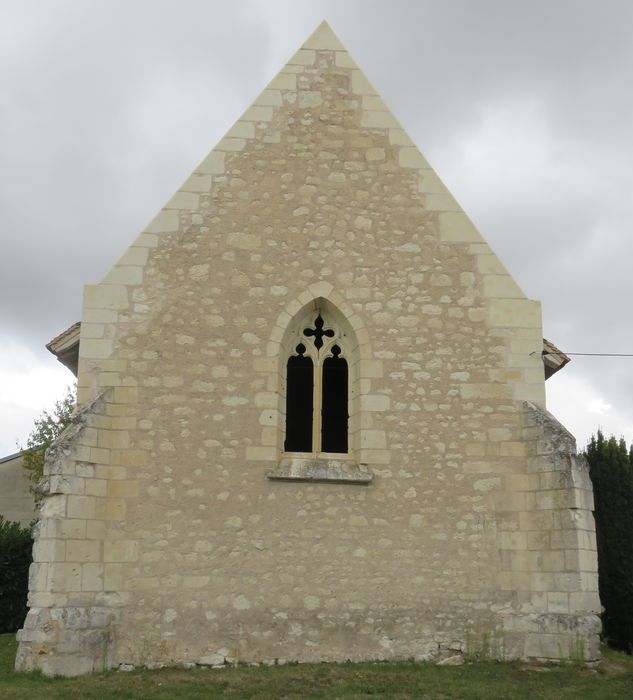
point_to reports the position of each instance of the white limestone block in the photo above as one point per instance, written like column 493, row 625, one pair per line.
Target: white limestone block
column 243, row 130
column 441, row 202
column 430, row 183
column 399, row 137
column 258, row 113
column 146, row 240
column 457, row 227
column 134, row 255
column 283, row 81
column 344, row 60
column 374, row 402
column 213, row 164
column 105, row 296
column 360, row 84
column 323, row 38
column 231, row 144
column 184, row 200
column 93, row 348
column 514, row 313
column 304, row 57
column 490, row 265
column 501, row 286
column 374, row 103
column 410, row 157
column 164, row 222
column 267, row 98
column 124, row 274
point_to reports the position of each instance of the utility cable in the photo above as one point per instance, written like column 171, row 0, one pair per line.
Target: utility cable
column 587, row 354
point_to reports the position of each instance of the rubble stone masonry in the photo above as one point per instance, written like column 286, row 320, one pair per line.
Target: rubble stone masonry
column 174, row 531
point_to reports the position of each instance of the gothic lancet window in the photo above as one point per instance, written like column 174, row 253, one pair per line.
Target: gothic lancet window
column 317, row 391
column 299, row 402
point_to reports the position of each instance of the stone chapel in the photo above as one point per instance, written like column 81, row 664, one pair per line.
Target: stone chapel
column 311, row 419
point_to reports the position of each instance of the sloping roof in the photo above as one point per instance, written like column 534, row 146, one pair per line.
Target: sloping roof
column 553, row 358
column 10, row 458
column 65, row 347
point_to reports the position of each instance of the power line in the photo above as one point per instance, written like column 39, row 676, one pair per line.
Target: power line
column 588, row 354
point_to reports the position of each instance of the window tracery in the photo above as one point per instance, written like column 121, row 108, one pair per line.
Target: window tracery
column 317, row 390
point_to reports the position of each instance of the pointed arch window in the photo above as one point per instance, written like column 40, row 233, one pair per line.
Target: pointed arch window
column 319, row 428
column 317, row 390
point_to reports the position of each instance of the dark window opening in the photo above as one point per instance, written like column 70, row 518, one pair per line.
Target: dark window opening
column 299, row 389
column 334, row 416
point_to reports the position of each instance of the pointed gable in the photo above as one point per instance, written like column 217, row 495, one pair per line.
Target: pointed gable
column 293, row 96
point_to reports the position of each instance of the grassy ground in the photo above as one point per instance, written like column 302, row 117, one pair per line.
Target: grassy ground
column 401, row 681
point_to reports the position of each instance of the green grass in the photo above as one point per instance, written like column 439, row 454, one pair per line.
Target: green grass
column 401, row 681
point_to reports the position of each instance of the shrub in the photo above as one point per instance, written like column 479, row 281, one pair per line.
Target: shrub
column 611, row 470
column 16, row 543
column 48, row 427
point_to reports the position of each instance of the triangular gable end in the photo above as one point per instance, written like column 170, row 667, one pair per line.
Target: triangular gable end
column 508, row 306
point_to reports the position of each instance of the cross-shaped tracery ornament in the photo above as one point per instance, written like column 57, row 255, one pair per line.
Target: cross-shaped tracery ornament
column 318, row 332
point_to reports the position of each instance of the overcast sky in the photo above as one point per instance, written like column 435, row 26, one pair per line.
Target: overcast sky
column 524, row 108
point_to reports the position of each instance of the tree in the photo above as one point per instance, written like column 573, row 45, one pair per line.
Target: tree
column 16, row 543
column 47, row 428
column 611, row 471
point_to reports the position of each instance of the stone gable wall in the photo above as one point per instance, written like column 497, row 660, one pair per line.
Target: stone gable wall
column 165, row 528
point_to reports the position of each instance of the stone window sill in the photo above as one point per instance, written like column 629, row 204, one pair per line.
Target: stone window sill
column 320, row 469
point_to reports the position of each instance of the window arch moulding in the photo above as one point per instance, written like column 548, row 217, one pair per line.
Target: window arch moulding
column 320, row 366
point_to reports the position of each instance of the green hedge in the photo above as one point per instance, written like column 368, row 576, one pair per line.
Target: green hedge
column 16, row 543
column 611, row 470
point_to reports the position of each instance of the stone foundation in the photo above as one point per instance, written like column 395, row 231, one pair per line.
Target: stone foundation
column 65, row 641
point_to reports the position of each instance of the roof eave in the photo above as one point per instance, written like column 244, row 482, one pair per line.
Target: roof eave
column 553, row 359
column 65, row 347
